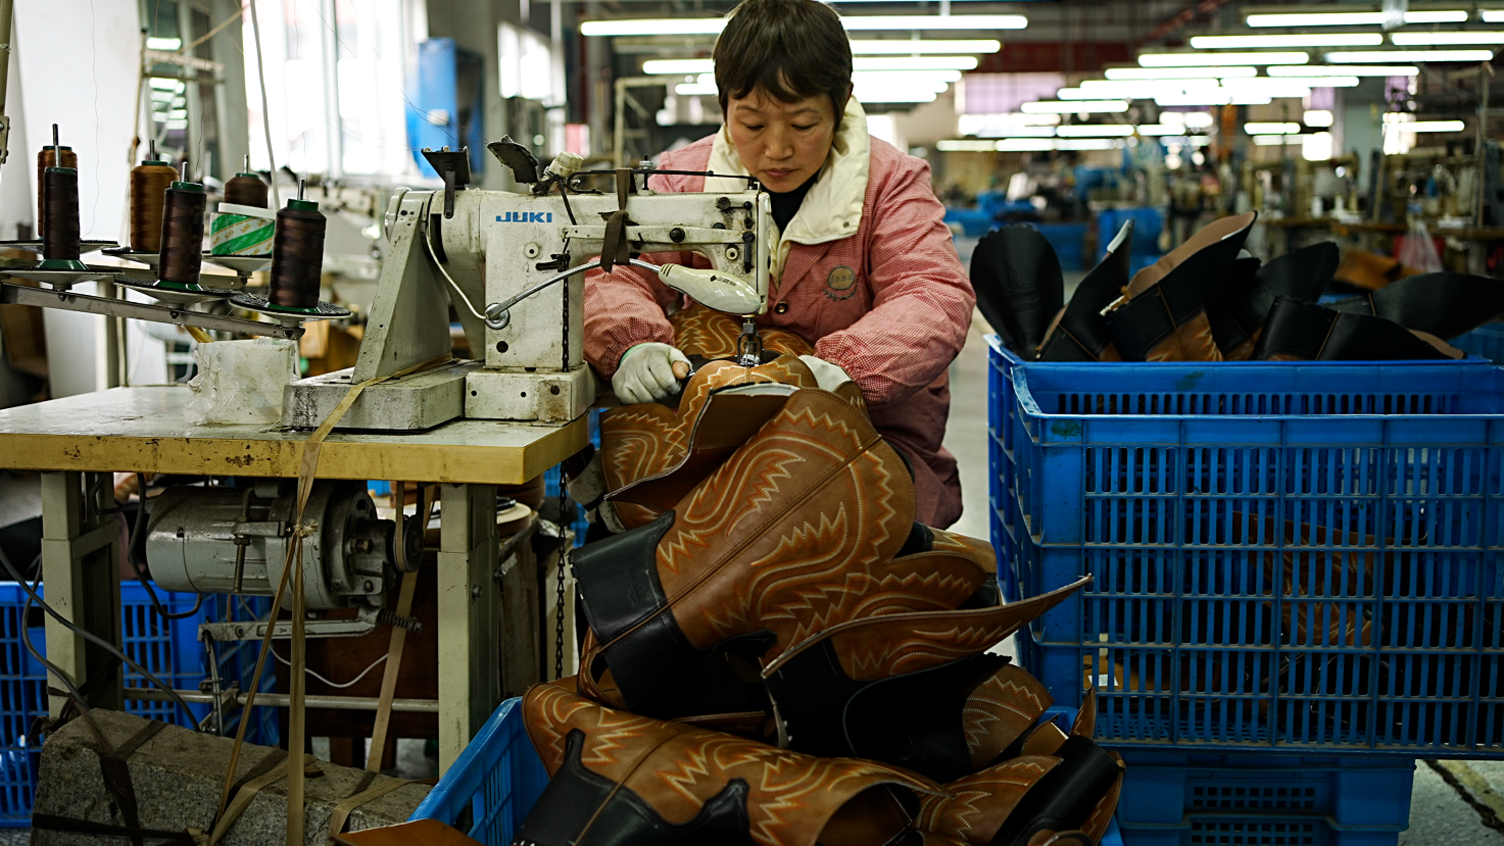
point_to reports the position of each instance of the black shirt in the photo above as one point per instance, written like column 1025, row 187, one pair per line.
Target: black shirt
column 786, row 204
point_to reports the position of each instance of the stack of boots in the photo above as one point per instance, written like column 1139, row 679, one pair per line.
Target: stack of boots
column 1053, row 788
column 913, row 690
column 1301, row 332
column 674, row 449
column 1019, row 286
column 796, row 532
column 1444, row 305
column 1162, row 313
column 619, row 779
column 1237, row 318
column 1079, row 332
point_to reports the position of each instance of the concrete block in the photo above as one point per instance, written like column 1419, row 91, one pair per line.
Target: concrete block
column 178, row 775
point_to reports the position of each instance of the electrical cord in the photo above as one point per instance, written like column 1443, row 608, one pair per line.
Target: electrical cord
column 130, row 556
column 95, row 639
column 63, row 677
column 350, row 683
column 447, row 278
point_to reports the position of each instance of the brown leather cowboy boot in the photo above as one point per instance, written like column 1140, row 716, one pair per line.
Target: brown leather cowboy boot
column 795, row 533
column 1162, row 313
column 649, row 442
column 711, row 334
column 913, row 690
column 618, row 779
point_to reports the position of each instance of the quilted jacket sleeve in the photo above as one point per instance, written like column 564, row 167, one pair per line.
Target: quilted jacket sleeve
column 922, row 298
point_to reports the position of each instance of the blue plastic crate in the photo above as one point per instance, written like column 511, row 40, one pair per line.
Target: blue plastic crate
column 1484, row 342
column 493, row 784
column 1199, row 798
column 1286, row 556
column 1069, row 242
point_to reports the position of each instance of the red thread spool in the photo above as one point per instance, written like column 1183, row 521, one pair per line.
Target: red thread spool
column 48, row 157
column 297, row 256
column 183, row 234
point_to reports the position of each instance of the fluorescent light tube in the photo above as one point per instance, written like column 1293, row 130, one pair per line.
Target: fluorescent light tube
column 677, row 66
column 1428, row 39
column 713, row 26
column 1425, row 126
column 901, row 47
column 1271, row 128
column 860, row 63
column 696, row 89
column 1159, row 130
column 1074, row 106
column 1492, row 16
column 1361, row 56
column 1181, row 60
column 1276, row 140
column 1322, row 39
column 1345, row 70
column 1301, row 19
column 1001, row 124
column 965, row 145
column 1317, row 117
column 1180, row 73
column 1106, row 130
column 892, row 95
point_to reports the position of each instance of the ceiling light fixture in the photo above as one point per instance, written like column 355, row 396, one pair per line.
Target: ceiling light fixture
column 1159, row 130
column 1173, row 60
column 1345, row 70
column 1180, row 73
column 861, row 63
column 1271, row 128
column 1425, row 126
column 904, row 47
column 869, row 23
column 1492, row 15
column 1276, row 140
column 1092, row 130
column 1317, row 117
column 1323, row 39
column 1300, row 19
column 1076, row 107
column 1362, row 56
column 1430, row 39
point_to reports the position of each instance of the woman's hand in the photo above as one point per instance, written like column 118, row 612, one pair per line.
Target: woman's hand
column 649, row 372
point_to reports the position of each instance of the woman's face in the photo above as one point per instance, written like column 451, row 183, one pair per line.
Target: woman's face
column 782, row 144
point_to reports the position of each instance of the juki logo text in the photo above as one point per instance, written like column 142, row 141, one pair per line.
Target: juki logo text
column 525, row 217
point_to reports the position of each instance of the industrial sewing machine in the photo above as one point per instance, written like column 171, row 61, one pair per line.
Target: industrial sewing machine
column 507, row 251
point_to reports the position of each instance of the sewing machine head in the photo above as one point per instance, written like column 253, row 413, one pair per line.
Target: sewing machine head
column 514, row 264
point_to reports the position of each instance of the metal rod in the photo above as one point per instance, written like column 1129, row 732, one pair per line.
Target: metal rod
column 281, row 700
column 179, row 315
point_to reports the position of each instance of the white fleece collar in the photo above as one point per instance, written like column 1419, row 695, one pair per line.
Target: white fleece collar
column 833, row 207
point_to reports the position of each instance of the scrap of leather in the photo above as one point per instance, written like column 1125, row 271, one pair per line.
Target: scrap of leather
column 1016, row 276
column 1079, row 332
column 1162, row 313
column 653, row 455
column 713, row 334
column 1372, row 271
column 674, row 770
column 1444, row 305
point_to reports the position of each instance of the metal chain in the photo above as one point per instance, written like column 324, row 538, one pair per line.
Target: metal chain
column 564, row 523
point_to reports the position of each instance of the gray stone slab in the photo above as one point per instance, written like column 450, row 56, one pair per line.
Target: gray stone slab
column 178, row 775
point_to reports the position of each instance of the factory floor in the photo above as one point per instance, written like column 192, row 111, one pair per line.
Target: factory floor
column 1453, row 803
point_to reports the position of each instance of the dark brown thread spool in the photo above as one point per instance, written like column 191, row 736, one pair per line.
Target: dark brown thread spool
column 149, row 183
column 183, row 233
column 48, row 158
column 246, row 189
column 60, row 215
column 297, row 255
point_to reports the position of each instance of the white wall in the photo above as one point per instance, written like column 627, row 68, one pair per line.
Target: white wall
column 75, row 63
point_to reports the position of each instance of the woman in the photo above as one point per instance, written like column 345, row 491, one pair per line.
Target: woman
column 865, row 268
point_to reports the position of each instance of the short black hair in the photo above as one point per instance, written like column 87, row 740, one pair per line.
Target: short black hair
column 792, row 49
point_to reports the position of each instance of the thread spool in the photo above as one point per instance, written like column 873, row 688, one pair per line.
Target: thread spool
column 297, row 256
column 60, row 214
column 183, row 233
column 48, row 157
column 246, row 189
column 149, row 183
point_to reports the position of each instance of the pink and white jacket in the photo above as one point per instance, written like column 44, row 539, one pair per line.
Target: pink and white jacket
column 866, row 271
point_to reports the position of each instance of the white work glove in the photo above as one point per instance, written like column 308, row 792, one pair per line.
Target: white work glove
column 829, row 376
column 646, row 373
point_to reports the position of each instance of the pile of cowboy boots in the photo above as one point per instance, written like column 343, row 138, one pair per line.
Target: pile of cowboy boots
column 1209, row 300
column 778, row 654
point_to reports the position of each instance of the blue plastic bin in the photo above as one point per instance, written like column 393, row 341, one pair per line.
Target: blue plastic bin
column 1069, row 242
column 1484, row 342
column 1180, row 799
column 492, row 786
column 1301, row 557
column 169, row 649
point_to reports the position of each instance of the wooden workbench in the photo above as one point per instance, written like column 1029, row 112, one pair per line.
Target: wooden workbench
column 143, row 430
